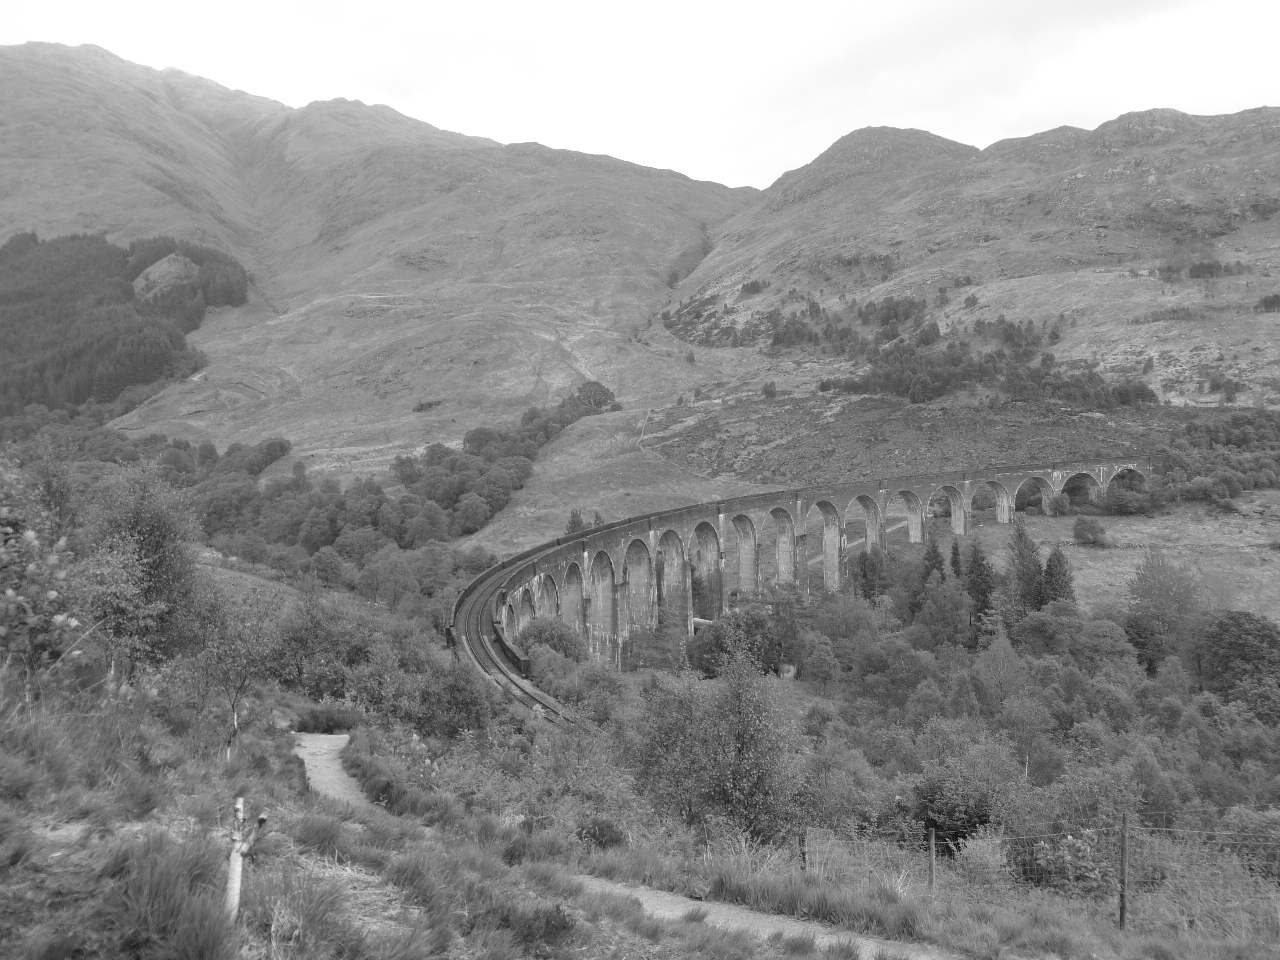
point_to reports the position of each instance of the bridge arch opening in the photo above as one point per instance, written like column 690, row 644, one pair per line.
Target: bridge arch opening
column 1126, row 491
column 1034, row 495
column 672, row 581
column 705, row 581
column 508, row 619
column 744, row 570
column 822, row 548
column 525, row 611
column 780, row 534
column 638, row 576
column 862, row 524
column 991, row 499
column 546, row 597
column 947, row 503
column 601, row 615
column 1083, row 490
column 905, row 505
column 571, row 604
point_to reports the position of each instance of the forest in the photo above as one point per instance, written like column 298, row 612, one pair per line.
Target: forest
column 72, row 330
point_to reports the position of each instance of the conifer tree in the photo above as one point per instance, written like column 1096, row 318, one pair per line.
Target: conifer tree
column 957, row 568
column 933, row 562
column 1026, row 573
column 981, row 581
column 1059, row 584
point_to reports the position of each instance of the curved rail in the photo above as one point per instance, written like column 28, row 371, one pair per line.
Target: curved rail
column 474, row 630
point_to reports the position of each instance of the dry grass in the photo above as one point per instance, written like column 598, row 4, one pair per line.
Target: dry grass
column 1231, row 553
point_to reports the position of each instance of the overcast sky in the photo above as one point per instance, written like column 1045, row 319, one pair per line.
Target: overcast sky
column 733, row 92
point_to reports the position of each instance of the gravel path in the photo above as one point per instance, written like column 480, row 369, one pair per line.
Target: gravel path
column 319, row 752
column 671, row 906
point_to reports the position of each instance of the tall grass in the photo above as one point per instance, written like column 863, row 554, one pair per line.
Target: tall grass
column 167, row 899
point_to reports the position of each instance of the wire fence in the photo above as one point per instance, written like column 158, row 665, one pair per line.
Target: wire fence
column 1194, row 879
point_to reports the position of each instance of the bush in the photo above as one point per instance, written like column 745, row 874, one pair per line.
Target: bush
column 1088, row 532
column 601, row 832
column 557, row 635
column 770, row 390
column 328, row 718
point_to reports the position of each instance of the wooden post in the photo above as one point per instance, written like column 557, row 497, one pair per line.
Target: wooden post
column 932, row 853
column 1124, row 870
column 240, row 845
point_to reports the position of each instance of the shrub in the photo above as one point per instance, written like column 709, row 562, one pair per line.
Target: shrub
column 557, row 635
column 770, row 390
column 1088, row 532
column 540, row 925
column 328, row 718
column 601, row 832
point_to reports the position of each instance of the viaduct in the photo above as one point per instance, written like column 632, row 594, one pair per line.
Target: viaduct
column 691, row 562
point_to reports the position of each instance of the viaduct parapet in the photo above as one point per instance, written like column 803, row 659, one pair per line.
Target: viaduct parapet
column 609, row 582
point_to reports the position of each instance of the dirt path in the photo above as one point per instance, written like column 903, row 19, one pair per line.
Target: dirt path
column 671, row 906
column 319, row 752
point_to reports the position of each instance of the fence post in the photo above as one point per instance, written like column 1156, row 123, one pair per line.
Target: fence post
column 931, row 859
column 241, row 843
column 1124, row 870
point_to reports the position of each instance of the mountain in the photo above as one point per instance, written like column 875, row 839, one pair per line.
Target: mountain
column 1097, row 231
column 393, row 262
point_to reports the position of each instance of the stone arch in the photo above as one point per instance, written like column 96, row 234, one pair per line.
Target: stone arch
column 671, row 579
column 784, row 529
column 706, row 582
column 747, row 567
column 638, row 577
column 906, row 503
column 953, row 501
column 1082, row 488
column 571, row 603
column 863, row 510
column 1027, row 491
column 546, row 596
column 1127, row 478
column 822, row 547
column 508, row 619
column 601, row 615
column 999, row 494
column 525, row 610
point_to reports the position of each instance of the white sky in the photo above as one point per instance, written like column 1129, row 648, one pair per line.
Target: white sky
column 732, row 92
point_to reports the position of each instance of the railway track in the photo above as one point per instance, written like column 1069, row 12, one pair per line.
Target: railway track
column 474, row 631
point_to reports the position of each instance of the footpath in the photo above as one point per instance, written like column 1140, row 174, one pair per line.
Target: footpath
column 320, row 753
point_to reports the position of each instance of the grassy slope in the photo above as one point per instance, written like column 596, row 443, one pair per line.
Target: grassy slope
column 113, row 842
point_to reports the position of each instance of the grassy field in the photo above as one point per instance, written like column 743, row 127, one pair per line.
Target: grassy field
column 1233, row 554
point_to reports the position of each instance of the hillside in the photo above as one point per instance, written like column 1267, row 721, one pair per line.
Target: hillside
column 393, row 262
column 1099, row 232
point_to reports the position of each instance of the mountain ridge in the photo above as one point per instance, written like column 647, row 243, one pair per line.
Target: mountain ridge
column 394, row 262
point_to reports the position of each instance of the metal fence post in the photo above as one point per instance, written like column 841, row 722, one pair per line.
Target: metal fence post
column 1124, row 870
column 931, row 859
